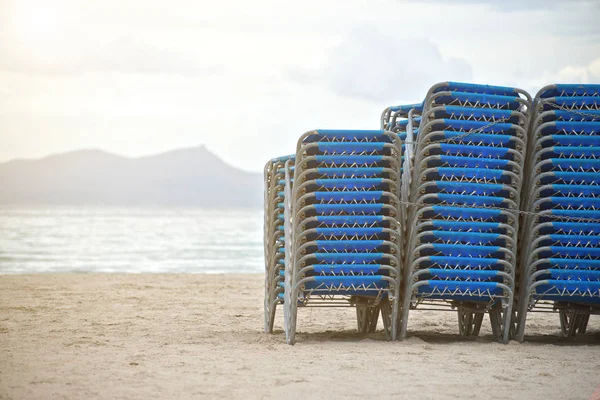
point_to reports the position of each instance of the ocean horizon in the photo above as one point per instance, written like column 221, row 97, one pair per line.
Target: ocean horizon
column 110, row 239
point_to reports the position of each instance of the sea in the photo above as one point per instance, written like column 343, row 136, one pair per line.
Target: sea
column 130, row 240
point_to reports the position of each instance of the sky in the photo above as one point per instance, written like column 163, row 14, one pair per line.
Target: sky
column 247, row 78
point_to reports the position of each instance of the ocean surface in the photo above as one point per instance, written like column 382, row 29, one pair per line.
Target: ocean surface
column 105, row 239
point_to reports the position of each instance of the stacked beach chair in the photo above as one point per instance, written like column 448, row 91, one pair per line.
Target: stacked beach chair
column 396, row 119
column 462, row 224
column 404, row 120
column 560, row 264
column 476, row 200
column 344, row 233
column 274, row 245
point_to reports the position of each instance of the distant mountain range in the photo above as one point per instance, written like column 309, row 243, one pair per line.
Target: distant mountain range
column 185, row 177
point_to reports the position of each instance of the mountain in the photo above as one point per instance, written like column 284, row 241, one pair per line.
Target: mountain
column 184, row 177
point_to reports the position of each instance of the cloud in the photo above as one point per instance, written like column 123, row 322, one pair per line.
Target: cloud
column 371, row 66
column 123, row 54
column 544, row 18
column 515, row 5
column 66, row 38
column 576, row 74
column 126, row 54
column 580, row 74
column 589, row 73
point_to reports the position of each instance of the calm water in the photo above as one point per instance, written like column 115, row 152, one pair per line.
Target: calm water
column 129, row 240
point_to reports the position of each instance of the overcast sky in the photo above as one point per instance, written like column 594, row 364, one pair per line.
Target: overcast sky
column 246, row 78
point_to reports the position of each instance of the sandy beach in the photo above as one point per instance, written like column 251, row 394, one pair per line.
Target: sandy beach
column 192, row 336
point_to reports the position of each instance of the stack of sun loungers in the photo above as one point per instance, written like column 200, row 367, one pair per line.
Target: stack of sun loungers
column 560, row 264
column 477, row 200
column 346, row 238
column 396, row 119
column 274, row 246
column 404, row 120
column 462, row 228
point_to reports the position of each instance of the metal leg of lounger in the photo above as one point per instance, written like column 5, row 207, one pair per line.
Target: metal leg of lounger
column 267, row 303
column 272, row 312
column 386, row 316
column 514, row 320
column 265, row 240
column 290, row 303
column 572, row 322
column 500, row 320
column 576, row 324
column 290, row 310
column 507, row 317
column 522, row 314
column 564, row 321
column 405, row 309
column 470, row 318
column 496, row 321
column 584, row 323
column 395, row 311
column 366, row 316
column 477, row 320
column 271, row 302
column 374, row 318
column 362, row 315
column 465, row 321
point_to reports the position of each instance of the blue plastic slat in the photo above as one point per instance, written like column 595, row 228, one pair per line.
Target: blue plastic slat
column 439, row 273
column 484, row 151
column 354, row 195
column 348, row 159
column 348, row 208
column 362, row 258
column 349, row 245
column 349, row 219
column 350, row 147
column 349, row 231
column 346, row 268
column 474, row 162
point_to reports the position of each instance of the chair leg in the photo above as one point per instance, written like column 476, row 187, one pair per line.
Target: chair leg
column 584, row 323
column 267, row 309
column 465, row 321
column 362, row 316
column 565, row 322
column 496, row 322
column 522, row 319
column 394, row 316
column 404, row 312
column 291, row 306
column 477, row 320
column 272, row 314
column 506, row 321
column 386, row 316
column 374, row 318
column 572, row 322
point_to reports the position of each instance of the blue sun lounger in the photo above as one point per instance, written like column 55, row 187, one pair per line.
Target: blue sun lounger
column 462, row 225
column 274, row 246
column 560, row 264
column 344, row 234
column 479, row 199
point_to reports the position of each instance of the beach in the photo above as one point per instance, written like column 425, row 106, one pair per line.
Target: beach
column 140, row 336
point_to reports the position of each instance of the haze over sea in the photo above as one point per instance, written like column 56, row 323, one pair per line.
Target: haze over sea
column 130, row 239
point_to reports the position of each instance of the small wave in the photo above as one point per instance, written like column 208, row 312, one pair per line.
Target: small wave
column 81, row 240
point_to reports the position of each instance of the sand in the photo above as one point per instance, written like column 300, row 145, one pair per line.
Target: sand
column 200, row 336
